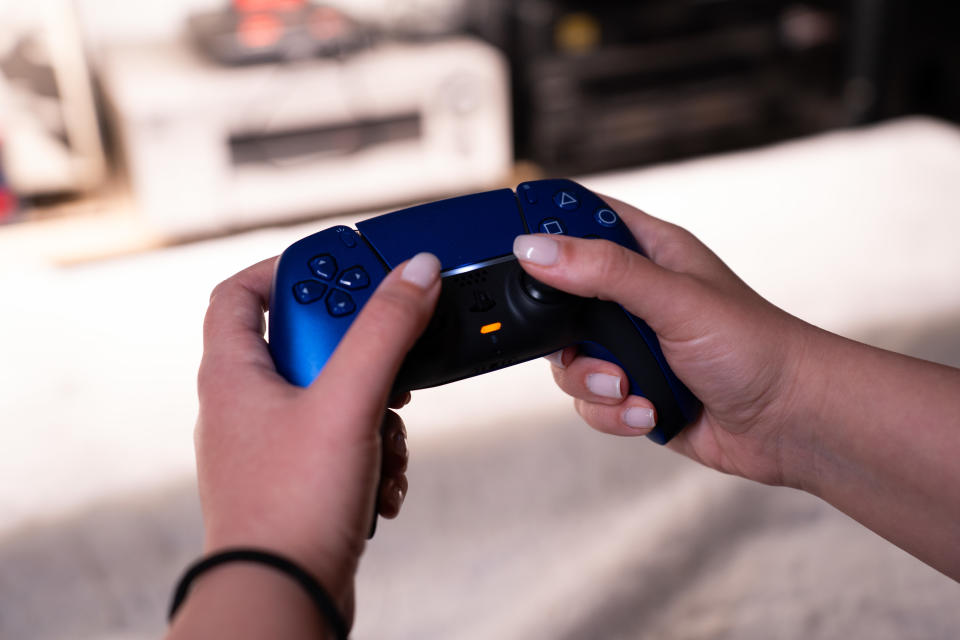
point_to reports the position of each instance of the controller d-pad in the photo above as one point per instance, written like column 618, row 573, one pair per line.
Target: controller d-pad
column 354, row 278
column 309, row 291
column 339, row 303
column 565, row 200
column 324, row 266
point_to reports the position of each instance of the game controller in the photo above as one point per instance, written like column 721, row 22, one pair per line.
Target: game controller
column 490, row 313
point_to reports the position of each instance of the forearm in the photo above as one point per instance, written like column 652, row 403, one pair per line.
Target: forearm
column 247, row 601
column 884, row 444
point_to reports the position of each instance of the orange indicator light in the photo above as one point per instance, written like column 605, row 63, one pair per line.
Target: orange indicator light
column 490, row 328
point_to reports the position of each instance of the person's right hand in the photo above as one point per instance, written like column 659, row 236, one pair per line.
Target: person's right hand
column 737, row 352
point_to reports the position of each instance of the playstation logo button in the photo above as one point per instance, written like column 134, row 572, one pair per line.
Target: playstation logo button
column 482, row 301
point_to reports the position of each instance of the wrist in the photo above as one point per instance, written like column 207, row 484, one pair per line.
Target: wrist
column 335, row 574
column 806, row 400
column 238, row 597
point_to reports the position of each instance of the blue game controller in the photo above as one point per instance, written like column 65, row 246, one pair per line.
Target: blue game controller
column 490, row 313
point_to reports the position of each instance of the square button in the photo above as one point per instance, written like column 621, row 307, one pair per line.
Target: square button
column 552, row 226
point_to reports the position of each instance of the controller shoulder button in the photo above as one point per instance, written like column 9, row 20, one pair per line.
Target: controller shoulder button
column 308, row 291
column 339, row 303
column 324, row 266
column 354, row 278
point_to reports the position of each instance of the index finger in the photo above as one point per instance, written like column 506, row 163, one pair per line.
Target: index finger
column 234, row 324
column 646, row 228
column 666, row 244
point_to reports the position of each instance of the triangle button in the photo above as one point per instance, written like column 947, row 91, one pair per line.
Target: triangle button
column 566, row 200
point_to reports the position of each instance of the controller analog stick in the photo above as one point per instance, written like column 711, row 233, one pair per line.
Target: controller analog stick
column 542, row 293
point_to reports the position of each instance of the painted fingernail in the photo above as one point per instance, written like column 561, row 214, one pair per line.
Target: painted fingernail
column 604, row 385
column 540, row 250
column 639, row 418
column 396, row 497
column 399, row 444
column 556, row 359
column 422, row 270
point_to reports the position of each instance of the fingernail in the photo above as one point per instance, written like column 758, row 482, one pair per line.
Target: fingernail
column 422, row 270
column 399, row 444
column 639, row 418
column 604, row 385
column 556, row 359
column 540, row 250
column 396, row 496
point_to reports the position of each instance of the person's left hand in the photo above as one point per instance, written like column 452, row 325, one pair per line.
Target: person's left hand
column 296, row 470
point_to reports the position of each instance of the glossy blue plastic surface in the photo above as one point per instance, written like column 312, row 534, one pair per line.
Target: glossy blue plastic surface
column 461, row 232
column 303, row 336
column 580, row 221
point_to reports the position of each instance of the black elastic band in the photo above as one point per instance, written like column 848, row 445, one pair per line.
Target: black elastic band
column 314, row 589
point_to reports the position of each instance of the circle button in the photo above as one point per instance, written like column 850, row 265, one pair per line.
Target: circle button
column 606, row 217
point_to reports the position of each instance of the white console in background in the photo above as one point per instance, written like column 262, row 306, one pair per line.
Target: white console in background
column 209, row 147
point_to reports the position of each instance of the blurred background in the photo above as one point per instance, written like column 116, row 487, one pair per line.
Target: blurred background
column 150, row 150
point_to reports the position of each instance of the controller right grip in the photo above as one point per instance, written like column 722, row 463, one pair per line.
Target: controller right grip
column 627, row 341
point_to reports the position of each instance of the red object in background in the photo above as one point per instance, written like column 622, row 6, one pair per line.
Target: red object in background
column 8, row 200
column 259, row 30
column 248, row 6
column 8, row 203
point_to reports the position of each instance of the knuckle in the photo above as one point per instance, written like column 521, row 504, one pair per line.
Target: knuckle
column 612, row 265
column 675, row 247
column 560, row 378
column 588, row 412
column 221, row 288
column 209, row 375
column 393, row 302
column 391, row 311
column 203, row 376
column 670, row 251
column 607, row 262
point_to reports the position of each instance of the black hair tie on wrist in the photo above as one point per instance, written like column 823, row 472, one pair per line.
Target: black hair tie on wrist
column 314, row 589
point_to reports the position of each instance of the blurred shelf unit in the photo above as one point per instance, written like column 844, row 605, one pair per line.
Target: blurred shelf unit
column 605, row 84
column 211, row 147
column 50, row 143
